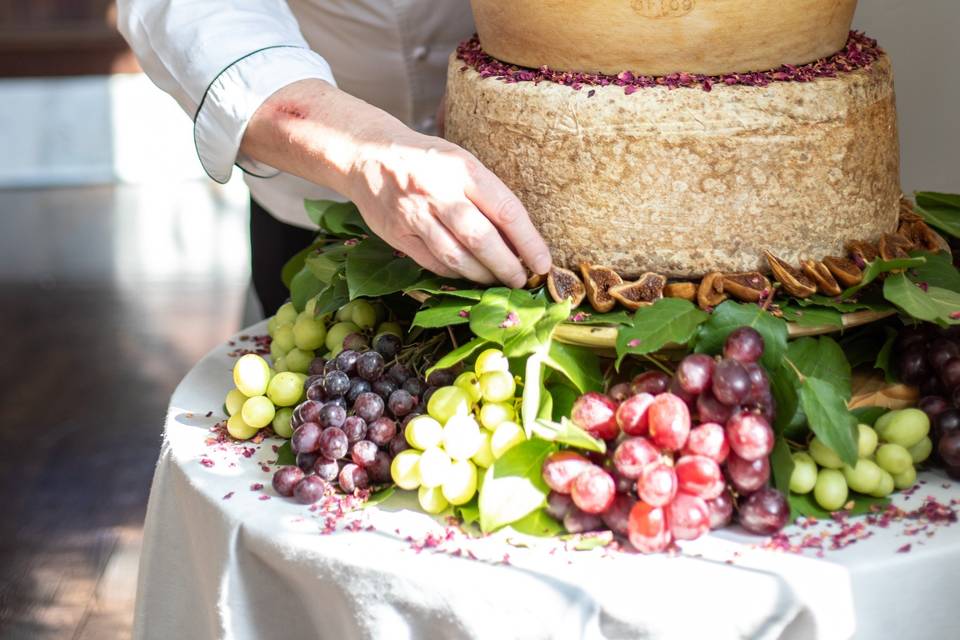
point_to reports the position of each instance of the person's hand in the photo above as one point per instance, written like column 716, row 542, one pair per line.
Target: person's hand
column 425, row 196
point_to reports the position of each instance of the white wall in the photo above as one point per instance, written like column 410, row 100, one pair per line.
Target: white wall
column 923, row 39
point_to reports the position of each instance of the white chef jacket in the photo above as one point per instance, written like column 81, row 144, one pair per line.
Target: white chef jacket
column 220, row 59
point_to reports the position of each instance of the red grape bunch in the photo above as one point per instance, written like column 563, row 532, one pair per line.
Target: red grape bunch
column 671, row 440
column 928, row 356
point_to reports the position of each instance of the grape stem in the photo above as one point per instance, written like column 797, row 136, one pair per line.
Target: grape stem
column 659, row 364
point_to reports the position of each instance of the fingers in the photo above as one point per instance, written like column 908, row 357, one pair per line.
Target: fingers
column 508, row 214
column 416, row 249
column 449, row 252
column 478, row 236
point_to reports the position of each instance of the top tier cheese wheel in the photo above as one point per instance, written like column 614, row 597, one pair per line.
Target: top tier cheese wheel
column 684, row 181
column 658, row 37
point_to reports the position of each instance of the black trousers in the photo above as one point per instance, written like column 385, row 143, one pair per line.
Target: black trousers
column 272, row 243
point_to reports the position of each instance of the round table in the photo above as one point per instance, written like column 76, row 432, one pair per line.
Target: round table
column 224, row 556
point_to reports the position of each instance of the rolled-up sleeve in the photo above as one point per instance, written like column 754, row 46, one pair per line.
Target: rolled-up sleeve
column 220, row 60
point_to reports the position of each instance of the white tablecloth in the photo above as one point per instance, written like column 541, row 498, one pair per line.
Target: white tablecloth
column 225, row 557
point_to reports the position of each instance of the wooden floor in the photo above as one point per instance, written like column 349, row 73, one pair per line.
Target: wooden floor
column 107, row 297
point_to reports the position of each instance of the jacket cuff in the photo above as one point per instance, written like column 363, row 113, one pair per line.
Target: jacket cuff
column 235, row 95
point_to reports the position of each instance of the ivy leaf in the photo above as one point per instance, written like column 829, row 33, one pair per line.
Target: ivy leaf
column 295, row 264
column 437, row 285
column 379, row 497
column 529, row 340
column 805, row 505
column 613, row 317
column 443, row 312
column 783, row 387
column 304, row 286
column 828, row 417
column 538, row 523
column 513, row 486
column 933, row 305
column 868, row 415
column 459, row 354
column 668, row 321
column 285, row 455
column 337, row 218
column 563, row 399
column 883, row 356
column 323, row 266
column 879, row 267
column 579, row 365
column 730, row 315
column 824, row 359
column 812, row 316
column 468, row 513
column 940, row 210
column 848, row 306
column 938, row 271
column 781, row 465
column 533, row 389
column 504, row 313
column 375, row 269
column 333, row 296
column 568, row 433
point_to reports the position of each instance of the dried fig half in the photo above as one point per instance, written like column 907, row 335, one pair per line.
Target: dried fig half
column 535, row 280
column 907, row 213
column 599, row 280
column 893, row 246
column 790, row 278
column 564, row 284
column 923, row 237
column 861, row 251
column 819, row 273
column 844, row 270
column 710, row 293
column 683, row 290
column 641, row 293
column 749, row 286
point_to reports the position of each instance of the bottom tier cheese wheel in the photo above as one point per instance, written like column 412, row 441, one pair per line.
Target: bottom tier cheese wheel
column 685, row 181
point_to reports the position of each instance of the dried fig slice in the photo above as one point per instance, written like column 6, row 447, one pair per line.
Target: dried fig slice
column 907, row 214
column 683, row 290
column 893, row 246
column 819, row 273
column 861, row 252
column 923, row 237
column 710, row 293
column 790, row 278
column 535, row 280
column 748, row 286
column 641, row 293
column 564, row 284
column 844, row 270
column 599, row 280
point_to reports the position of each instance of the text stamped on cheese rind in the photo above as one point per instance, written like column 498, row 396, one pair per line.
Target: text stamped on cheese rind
column 663, row 8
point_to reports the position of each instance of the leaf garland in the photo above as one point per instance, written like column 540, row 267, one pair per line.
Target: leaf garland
column 668, row 321
column 513, row 486
column 940, row 210
column 933, row 304
column 374, row 269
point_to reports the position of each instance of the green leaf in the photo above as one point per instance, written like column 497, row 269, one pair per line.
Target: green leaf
column 324, row 265
column 379, row 497
column 883, row 356
column 829, row 418
column 667, row 321
column 374, row 269
column 879, row 267
column 538, row 523
column 459, row 354
column 338, row 218
column 579, row 365
column 568, row 433
column 805, row 505
column 504, row 313
column 443, row 312
column 529, row 340
column 781, row 465
column 821, row 358
column 563, row 399
column 730, row 315
column 333, row 296
column 933, row 305
column 437, row 285
column 468, row 513
column 295, row 264
column 304, row 286
column 513, row 486
column 812, row 316
column 532, row 392
column 868, row 415
column 285, row 455
column 938, row 271
column 940, row 210
column 783, row 386
column 614, row 317
column 847, row 306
